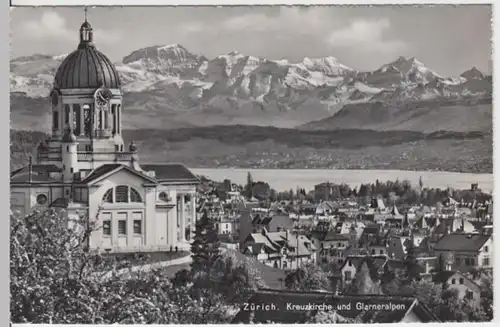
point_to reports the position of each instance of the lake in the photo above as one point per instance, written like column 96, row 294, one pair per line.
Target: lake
column 285, row 179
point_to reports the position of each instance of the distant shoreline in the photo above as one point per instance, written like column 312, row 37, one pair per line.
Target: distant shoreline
column 286, row 179
column 347, row 169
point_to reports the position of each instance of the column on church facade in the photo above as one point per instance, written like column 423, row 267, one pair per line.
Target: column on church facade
column 181, row 211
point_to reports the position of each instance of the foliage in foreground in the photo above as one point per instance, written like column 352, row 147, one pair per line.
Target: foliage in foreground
column 55, row 278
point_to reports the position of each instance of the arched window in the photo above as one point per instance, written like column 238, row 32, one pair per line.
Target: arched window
column 134, row 196
column 67, row 112
column 108, row 196
column 122, row 194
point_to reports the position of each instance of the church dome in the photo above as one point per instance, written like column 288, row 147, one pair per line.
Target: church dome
column 86, row 68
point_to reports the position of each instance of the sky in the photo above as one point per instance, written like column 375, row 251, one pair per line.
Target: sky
column 448, row 39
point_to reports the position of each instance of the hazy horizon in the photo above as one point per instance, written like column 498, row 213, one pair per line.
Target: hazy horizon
column 448, row 39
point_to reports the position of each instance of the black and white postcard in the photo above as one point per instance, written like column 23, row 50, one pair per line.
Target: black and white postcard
column 251, row 164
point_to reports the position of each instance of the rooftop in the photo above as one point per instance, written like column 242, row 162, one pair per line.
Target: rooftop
column 461, row 242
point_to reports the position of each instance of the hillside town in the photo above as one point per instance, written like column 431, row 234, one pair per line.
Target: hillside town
column 448, row 243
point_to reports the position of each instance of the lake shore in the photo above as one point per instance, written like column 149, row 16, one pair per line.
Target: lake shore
column 285, row 179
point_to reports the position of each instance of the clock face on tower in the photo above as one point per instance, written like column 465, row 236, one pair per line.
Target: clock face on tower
column 102, row 97
column 55, row 99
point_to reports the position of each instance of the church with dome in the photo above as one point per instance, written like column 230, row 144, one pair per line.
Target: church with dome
column 86, row 168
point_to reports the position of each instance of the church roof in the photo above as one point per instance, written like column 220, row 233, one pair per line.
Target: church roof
column 86, row 68
column 38, row 168
column 109, row 168
column 171, row 172
column 39, row 174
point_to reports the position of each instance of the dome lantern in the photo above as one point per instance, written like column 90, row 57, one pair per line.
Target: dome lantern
column 86, row 34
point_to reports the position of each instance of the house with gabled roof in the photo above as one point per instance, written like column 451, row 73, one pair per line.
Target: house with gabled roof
column 467, row 250
column 283, row 249
column 467, row 289
column 353, row 263
column 452, row 225
column 330, row 245
column 272, row 223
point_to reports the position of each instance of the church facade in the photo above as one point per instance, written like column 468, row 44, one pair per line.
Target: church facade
column 86, row 169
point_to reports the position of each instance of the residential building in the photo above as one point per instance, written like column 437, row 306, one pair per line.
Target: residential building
column 330, row 245
column 283, row 249
column 467, row 250
column 352, row 264
column 467, row 289
column 272, row 223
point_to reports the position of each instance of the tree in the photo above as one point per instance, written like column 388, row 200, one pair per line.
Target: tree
column 249, row 186
column 329, row 317
column 273, row 196
column 57, row 279
column 205, row 247
column 411, row 264
column 363, row 281
column 235, row 282
column 307, row 278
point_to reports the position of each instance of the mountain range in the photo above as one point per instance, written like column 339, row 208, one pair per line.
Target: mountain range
column 170, row 87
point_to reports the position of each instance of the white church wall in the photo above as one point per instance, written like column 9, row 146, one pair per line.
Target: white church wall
column 118, row 211
column 167, row 234
column 24, row 199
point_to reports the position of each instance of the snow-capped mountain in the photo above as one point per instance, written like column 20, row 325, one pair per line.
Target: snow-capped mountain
column 240, row 88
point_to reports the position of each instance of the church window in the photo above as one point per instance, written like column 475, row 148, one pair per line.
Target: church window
column 122, row 227
column 121, row 194
column 55, row 120
column 108, row 196
column 87, row 120
column 113, row 115
column 138, row 226
column 134, row 196
column 41, row 199
column 106, row 227
column 164, row 196
column 67, row 112
column 77, row 119
column 106, row 120
column 118, row 119
column 100, row 119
